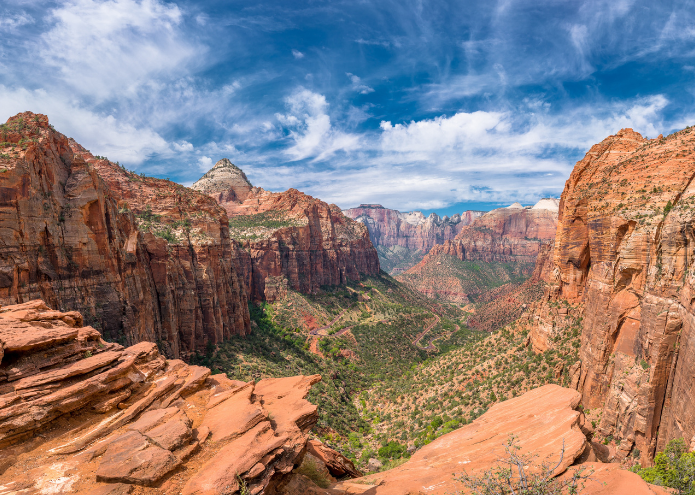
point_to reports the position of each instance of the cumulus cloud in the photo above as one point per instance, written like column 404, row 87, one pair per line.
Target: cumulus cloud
column 310, row 128
column 357, row 84
column 297, row 54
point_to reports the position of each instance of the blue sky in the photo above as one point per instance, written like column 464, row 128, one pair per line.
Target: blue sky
column 412, row 104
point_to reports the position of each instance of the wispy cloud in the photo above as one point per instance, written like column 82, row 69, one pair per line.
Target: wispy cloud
column 413, row 104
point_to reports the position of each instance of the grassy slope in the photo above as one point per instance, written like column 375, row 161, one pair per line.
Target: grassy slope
column 381, row 392
column 397, row 259
column 445, row 274
column 456, row 387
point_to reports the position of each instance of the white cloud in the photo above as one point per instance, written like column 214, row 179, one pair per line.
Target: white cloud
column 183, row 146
column 11, row 21
column 115, row 46
column 310, row 127
column 297, row 54
column 357, row 84
column 204, row 163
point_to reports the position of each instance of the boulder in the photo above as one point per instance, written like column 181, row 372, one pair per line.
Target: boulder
column 336, row 463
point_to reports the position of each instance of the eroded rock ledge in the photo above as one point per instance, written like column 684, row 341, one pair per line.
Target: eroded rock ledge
column 80, row 415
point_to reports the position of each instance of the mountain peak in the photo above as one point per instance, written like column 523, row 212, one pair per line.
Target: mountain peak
column 224, row 178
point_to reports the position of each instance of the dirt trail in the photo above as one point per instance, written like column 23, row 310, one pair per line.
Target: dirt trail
column 316, row 331
column 424, row 332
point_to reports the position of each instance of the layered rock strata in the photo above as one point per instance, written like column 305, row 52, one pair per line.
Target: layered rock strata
column 411, row 231
column 80, row 415
column 69, row 225
column 288, row 240
column 512, row 234
column 624, row 250
column 500, row 247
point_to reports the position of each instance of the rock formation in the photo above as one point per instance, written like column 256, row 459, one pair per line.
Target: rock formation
column 624, row 252
column 289, row 239
column 411, row 231
column 542, row 419
column 512, row 234
column 503, row 245
column 79, row 415
column 70, row 236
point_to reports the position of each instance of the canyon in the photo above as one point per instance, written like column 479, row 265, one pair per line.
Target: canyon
column 289, row 239
column 402, row 239
column 84, row 416
column 115, row 287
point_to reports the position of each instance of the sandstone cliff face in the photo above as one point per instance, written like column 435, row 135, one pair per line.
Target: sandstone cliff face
column 410, row 230
column 403, row 239
column 625, row 249
column 500, row 247
column 70, row 236
column 289, row 239
column 512, row 234
column 79, row 415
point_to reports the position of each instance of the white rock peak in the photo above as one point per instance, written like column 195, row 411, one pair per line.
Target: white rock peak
column 552, row 204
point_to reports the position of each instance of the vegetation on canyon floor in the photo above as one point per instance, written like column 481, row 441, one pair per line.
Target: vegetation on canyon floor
column 387, row 384
column 447, row 278
column 397, row 259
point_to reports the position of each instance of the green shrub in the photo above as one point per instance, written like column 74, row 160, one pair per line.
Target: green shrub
column 673, row 468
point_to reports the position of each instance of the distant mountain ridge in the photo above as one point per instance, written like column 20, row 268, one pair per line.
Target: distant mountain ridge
column 403, row 238
column 499, row 247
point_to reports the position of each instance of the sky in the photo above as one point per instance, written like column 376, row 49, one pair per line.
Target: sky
column 429, row 105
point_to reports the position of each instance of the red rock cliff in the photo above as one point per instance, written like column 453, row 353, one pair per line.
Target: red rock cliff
column 125, row 418
column 625, row 247
column 411, row 230
column 70, row 236
column 288, row 239
column 512, row 234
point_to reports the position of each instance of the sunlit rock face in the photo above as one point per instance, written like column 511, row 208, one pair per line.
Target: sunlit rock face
column 69, row 227
column 625, row 249
column 289, row 239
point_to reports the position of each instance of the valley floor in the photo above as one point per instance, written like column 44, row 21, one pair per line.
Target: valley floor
column 399, row 369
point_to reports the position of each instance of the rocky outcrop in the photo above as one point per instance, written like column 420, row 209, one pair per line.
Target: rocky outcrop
column 288, row 240
column 69, row 229
column 624, row 251
column 542, row 420
column 80, row 415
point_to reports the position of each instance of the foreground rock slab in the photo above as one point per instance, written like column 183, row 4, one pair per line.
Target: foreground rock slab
column 542, row 419
column 79, row 415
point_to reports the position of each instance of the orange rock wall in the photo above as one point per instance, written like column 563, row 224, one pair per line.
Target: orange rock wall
column 625, row 247
column 502, row 235
column 69, row 238
column 328, row 249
